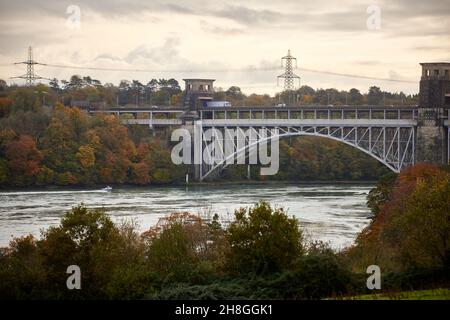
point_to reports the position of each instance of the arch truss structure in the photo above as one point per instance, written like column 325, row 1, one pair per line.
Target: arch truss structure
column 387, row 133
column 394, row 146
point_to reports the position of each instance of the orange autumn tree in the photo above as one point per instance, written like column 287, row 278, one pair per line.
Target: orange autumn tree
column 116, row 150
column 5, row 106
column 412, row 228
column 60, row 144
column 23, row 159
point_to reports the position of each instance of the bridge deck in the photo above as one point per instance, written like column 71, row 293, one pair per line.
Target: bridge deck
column 269, row 116
column 310, row 106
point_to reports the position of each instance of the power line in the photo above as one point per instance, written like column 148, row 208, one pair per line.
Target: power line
column 101, row 68
column 160, row 70
column 356, row 76
column 247, row 69
column 269, row 68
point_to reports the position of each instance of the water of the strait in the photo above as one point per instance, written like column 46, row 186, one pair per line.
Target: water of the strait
column 335, row 213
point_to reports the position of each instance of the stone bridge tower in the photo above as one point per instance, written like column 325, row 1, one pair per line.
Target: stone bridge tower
column 432, row 139
column 197, row 92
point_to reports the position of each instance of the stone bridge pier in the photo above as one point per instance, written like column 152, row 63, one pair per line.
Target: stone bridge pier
column 432, row 138
column 433, row 114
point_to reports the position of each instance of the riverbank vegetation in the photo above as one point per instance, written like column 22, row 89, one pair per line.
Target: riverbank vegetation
column 410, row 229
column 261, row 254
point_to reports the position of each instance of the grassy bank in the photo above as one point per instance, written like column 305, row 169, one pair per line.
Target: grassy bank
column 433, row 294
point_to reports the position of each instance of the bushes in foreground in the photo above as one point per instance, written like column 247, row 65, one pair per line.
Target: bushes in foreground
column 263, row 240
column 259, row 255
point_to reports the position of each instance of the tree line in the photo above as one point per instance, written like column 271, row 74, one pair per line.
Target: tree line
column 306, row 95
column 84, row 91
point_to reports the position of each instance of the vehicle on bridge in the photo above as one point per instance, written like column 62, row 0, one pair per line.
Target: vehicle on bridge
column 217, row 104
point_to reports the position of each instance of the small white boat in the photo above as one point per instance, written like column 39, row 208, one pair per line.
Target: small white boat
column 107, row 189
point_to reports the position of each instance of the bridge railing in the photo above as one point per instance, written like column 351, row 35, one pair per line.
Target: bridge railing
column 311, row 114
column 150, row 117
column 162, row 116
column 306, row 122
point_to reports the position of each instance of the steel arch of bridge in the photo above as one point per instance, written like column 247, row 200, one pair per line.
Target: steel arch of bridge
column 393, row 146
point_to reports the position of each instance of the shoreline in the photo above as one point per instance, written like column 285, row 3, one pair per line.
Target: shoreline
column 281, row 182
column 194, row 183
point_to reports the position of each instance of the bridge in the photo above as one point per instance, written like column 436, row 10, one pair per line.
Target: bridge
column 387, row 133
column 396, row 136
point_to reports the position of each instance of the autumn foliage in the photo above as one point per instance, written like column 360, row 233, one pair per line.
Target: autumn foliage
column 77, row 149
column 412, row 227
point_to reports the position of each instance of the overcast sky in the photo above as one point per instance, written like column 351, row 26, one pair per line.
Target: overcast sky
column 214, row 39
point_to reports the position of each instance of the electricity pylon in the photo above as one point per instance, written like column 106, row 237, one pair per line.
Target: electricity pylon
column 288, row 74
column 30, row 76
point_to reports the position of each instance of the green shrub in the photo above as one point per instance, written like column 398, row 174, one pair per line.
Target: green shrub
column 86, row 238
column 131, row 282
column 416, row 279
column 224, row 290
column 183, row 248
column 314, row 276
column 22, row 275
column 263, row 240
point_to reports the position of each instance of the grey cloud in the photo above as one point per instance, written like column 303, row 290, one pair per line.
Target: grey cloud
column 409, row 28
column 163, row 54
column 417, row 8
column 430, row 48
column 400, row 8
column 319, row 15
column 368, row 62
column 219, row 30
column 392, row 74
column 17, row 43
column 108, row 8
column 180, row 9
column 248, row 16
column 107, row 56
